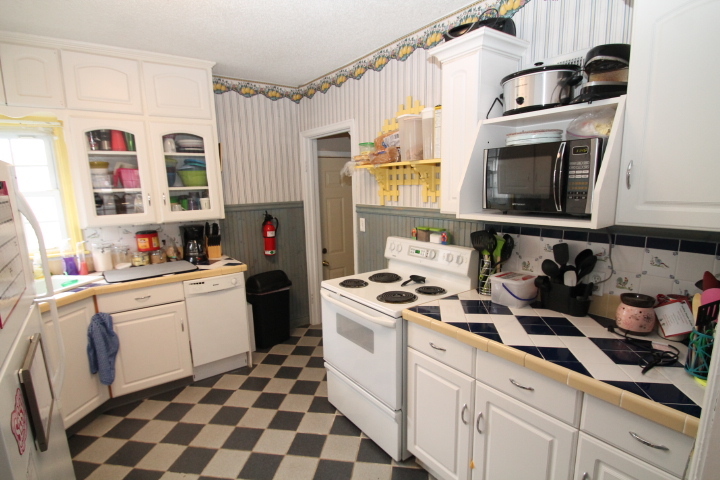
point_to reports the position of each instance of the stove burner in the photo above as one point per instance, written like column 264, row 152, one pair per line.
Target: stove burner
column 397, row 297
column 353, row 283
column 428, row 290
column 384, row 277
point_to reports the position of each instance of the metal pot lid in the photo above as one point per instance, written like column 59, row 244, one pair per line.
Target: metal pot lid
column 544, row 68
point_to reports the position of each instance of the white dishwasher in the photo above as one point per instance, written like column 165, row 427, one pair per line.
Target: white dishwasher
column 218, row 323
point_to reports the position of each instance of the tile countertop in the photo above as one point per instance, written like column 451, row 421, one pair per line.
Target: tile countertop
column 225, row 266
column 577, row 351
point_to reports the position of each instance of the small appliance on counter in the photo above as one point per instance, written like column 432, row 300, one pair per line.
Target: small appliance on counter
column 544, row 86
column 193, row 238
column 607, row 68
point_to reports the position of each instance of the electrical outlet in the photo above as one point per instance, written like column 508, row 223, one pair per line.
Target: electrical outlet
column 362, row 224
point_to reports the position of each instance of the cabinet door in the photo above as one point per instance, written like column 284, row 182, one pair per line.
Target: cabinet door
column 101, row 83
column 187, row 169
column 82, row 391
column 439, row 413
column 176, row 91
column 112, row 171
column 597, row 460
column 32, row 76
column 154, row 347
column 669, row 160
column 513, row 440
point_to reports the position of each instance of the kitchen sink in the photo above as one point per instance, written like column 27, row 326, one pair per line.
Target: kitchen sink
column 63, row 283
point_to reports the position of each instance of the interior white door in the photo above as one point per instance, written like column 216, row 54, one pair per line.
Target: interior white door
column 439, row 416
column 337, row 218
column 513, row 440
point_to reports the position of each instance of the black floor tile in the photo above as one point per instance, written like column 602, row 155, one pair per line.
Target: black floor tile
column 269, row 400
column 286, row 420
column 273, row 359
column 78, row 443
column 333, row 470
column 303, row 350
column 292, row 341
column 123, row 410
column 140, row 474
column 216, row 396
column 126, row 428
column 343, row 426
column 182, row 433
column 305, row 387
column 130, row 454
column 289, row 372
column 307, row 445
column 207, row 382
column 243, row 438
column 192, row 460
column 168, row 396
column 316, row 362
column 321, row 405
column 255, row 383
column 369, row 452
column 228, row 416
column 173, row 412
column 261, row 466
column 84, row 469
column 402, row 473
column 314, row 332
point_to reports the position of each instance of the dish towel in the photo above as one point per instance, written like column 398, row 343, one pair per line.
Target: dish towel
column 103, row 346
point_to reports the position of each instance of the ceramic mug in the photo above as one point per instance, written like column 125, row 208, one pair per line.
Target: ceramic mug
column 176, row 207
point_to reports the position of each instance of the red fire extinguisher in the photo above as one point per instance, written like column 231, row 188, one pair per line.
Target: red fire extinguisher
column 268, row 230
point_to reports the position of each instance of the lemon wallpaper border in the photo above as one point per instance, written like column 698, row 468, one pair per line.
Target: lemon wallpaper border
column 400, row 50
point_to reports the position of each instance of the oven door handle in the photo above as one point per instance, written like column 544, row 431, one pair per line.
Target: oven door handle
column 377, row 320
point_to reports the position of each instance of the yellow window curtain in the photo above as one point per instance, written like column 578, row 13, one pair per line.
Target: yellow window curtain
column 55, row 127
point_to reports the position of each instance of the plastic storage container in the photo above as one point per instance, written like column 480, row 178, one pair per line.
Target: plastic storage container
column 513, row 289
column 428, row 126
column 269, row 295
column 411, row 139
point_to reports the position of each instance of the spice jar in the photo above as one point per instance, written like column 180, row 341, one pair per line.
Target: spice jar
column 158, row 256
column 140, row 259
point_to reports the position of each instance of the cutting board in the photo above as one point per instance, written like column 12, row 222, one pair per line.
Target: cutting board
column 148, row 271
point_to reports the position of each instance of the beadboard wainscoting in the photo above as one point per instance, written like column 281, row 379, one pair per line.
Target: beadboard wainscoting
column 242, row 239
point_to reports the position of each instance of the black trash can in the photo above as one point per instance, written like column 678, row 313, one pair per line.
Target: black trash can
column 269, row 295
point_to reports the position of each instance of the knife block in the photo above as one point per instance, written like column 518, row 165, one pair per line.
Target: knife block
column 214, row 251
column 564, row 299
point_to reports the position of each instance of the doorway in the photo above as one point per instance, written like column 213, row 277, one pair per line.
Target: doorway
column 336, row 210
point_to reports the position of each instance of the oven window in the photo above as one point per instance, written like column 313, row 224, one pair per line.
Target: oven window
column 360, row 335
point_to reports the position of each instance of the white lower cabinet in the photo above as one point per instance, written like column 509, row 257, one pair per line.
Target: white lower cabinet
column 597, row 460
column 439, row 414
column 82, row 391
column 154, row 347
column 512, row 440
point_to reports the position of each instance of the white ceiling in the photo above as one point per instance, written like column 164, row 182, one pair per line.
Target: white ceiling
column 284, row 42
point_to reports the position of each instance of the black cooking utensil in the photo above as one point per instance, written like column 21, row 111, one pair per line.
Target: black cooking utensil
column 215, row 229
column 413, row 278
column 706, row 314
column 585, row 266
column 543, row 283
column 561, row 253
column 551, row 269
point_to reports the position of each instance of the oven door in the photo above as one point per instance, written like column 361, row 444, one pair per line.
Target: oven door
column 527, row 178
column 365, row 346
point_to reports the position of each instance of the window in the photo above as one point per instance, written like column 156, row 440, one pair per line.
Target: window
column 33, row 155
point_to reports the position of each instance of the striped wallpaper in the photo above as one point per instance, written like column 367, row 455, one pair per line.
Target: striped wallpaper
column 260, row 137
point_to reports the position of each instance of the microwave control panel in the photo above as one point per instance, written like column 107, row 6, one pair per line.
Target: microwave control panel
column 583, row 162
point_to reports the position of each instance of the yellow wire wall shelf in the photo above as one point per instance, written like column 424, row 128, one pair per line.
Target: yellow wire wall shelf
column 418, row 172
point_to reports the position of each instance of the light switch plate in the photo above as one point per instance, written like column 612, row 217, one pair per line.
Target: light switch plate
column 362, row 224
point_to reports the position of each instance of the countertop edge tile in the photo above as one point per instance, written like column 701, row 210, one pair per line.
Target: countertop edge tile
column 64, row 299
column 692, row 424
column 472, row 339
column 508, row 353
column 547, row 369
column 654, row 411
column 596, row 388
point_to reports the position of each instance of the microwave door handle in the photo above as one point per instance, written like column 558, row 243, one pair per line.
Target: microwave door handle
column 558, row 169
column 485, row 182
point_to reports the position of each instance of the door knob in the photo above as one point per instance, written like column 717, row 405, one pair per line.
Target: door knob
column 326, row 263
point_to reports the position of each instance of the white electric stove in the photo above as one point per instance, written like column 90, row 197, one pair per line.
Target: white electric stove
column 364, row 336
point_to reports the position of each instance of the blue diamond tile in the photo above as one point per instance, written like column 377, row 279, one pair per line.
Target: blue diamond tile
column 496, row 309
column 474, row 310
column 434, row 316
column 451, row 297
column 492, row 336
column 525, row 320
column 472, row 303
column 414, row 309
column 483, row 328
column 528, row 349
column 560, row 321
column 694, row 410
column 428, row 309
column 569, row 331
column 610, row 344
column 538, row 330
column 665, row 393
column 623, row 357
column 462, row 325
column 575, row 366
column 631, row 387
column 554, row 354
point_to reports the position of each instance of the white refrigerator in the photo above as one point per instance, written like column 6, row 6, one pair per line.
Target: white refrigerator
column 33, row 444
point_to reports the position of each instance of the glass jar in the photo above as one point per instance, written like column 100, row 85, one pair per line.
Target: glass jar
column 140, row 259
column 121, row 254
column 158, row 256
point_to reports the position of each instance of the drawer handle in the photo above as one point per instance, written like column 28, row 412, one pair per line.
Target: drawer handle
column 477, row 422
column 462, row 414
column 521, row 386
column 649, row 444
column 142, row 298
column 437, row 348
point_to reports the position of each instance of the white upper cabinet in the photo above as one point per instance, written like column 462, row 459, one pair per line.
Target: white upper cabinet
column 176, row 91
column 669, row 171
column 102, row 83
column 31, row 76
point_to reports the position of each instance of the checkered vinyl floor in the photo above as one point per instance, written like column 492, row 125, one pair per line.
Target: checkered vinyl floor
column 269, row 422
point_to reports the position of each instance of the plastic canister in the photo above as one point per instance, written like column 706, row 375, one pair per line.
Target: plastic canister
column 411, row 139
column 102, row 256
column 428, row 120
column 513, row 289
column 367, row 147
column 147, row 240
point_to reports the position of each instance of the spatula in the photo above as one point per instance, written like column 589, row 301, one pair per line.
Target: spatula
column 561, row 253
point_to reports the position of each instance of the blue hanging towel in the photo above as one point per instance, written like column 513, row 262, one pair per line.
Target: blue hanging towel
column 103, row 345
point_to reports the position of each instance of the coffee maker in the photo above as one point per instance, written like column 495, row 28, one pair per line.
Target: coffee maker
column 193, row 238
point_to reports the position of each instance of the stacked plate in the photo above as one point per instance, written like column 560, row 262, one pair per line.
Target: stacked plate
column 532, row 137
column 189, row 143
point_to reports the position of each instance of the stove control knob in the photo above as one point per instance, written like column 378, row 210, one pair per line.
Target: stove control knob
column 399, row 248
column 432, row 254
column 234, row 281
column 449, row 257
column 392, row 246
column 459, row 260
